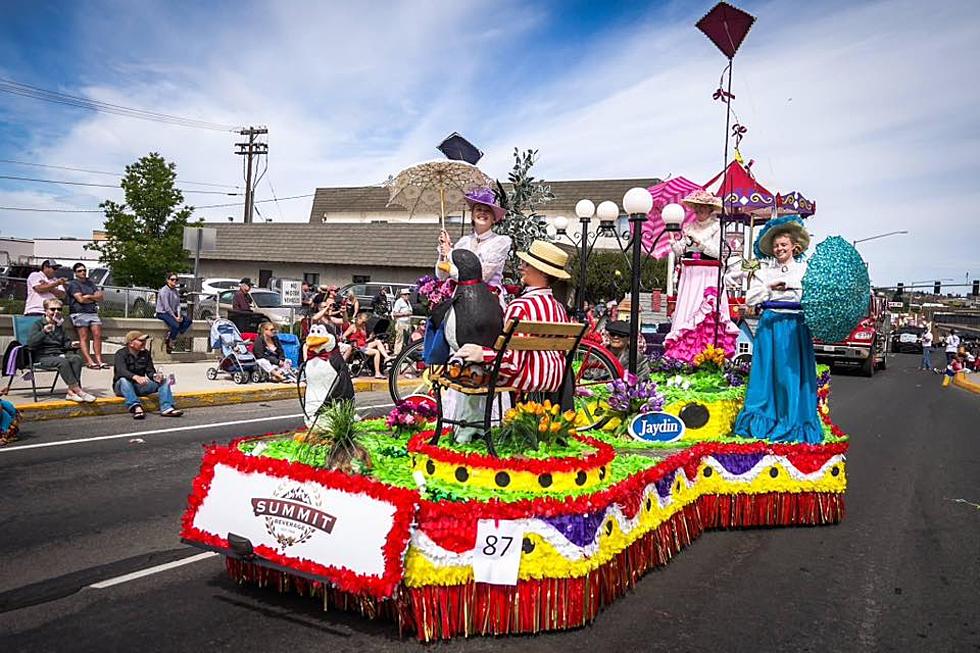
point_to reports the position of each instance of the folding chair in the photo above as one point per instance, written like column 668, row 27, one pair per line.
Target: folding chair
column 22, row 329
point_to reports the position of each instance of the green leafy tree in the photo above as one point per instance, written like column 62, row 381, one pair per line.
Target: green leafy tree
column 608, row 275
column 144, row 235
column 522, row 223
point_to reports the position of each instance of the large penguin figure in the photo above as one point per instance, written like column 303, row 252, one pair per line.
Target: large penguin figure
column 325, row 371
column 474, row 315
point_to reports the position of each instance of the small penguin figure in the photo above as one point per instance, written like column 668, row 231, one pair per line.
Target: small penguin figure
column 475, row 315
column 325, row 371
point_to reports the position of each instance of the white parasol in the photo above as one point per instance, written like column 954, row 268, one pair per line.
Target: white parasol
column 435, row 185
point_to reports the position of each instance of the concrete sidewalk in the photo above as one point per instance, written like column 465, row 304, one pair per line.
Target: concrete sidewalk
column 192, row 389
column 969, row 381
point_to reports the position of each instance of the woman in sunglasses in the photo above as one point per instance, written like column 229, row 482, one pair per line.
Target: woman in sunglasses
column 168, row 310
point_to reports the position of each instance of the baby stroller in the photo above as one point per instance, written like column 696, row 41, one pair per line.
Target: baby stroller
column 236, row 360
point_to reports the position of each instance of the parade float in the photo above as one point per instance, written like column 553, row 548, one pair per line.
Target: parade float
column 446, row 540
column 382, row 518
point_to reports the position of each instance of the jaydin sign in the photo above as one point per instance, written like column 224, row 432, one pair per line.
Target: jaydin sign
column 656, row 427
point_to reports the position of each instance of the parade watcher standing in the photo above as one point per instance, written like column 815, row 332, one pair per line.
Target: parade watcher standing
column 83, row 308
column 952, row 345
column 402, row 313
column 168, row 310
column 491, row 248
column 698, row 296
column 781, row 398
column 52, row 349
column 43, row 285
column 242, row 301
column 134, row 376
column 926, row 363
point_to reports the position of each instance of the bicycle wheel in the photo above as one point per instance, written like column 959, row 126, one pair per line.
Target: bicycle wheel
column 593, row 366
column 409, row 375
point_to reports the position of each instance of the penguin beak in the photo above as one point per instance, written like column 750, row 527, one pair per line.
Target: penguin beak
column 314, row 342
column 453, row 271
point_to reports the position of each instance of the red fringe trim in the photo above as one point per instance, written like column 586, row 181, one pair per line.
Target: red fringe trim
column 443, row 612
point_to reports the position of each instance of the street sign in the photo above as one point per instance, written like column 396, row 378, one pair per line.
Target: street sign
column 208, row 239
column 291, row 292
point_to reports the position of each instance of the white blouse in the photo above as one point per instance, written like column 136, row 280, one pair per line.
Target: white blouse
column 772, row 271
column 706, row 234
column 491, row 248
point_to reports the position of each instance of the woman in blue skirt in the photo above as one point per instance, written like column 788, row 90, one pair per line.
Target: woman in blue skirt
column 781, row 400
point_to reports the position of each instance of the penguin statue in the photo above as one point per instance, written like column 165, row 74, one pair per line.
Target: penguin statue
column 325, row 371
column 474, row 314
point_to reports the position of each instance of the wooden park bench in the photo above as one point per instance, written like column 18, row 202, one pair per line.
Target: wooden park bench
column 517, row 335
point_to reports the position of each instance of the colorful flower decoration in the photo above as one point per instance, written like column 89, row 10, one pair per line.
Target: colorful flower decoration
column 711, row 357
column 407, row 417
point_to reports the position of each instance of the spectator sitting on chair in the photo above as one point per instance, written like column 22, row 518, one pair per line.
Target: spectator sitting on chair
column 9, row 421
column 370, row 346
column 83, row 308
column 270, row 355
column 168, row 311
column 134, row 376
column 402, row 312
column 43, row 285
column 52, row 349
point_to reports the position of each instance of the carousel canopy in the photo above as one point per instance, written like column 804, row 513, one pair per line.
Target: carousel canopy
column 741, row 193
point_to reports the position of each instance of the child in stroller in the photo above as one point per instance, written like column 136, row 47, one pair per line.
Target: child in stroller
column 366, row 336
column 236, row 360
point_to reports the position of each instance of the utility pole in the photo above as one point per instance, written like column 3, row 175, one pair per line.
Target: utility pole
column 251, row 150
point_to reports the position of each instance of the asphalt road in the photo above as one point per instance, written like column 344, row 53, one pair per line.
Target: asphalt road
column 902, row 572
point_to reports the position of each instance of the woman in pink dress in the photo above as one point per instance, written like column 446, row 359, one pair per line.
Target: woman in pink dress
column 693, row 326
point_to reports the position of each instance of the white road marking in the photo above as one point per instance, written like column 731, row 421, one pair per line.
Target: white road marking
column 10, row 449
column 102, row 584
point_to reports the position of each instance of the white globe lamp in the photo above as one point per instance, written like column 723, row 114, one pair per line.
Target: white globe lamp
column 607, row 211
column 637, row 200
column 673, row 215
column 560, row 223
column 585, row 209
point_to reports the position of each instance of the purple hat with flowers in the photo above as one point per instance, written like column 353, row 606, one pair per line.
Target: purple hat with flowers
column 486, row 197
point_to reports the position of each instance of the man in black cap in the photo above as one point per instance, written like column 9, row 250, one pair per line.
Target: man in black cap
column 618, row 342
column 43, row 285
column 242, row 301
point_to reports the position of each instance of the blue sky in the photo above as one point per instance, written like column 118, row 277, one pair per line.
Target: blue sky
column 868, row 107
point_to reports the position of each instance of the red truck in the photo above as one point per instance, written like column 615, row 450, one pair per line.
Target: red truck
column 867, row 344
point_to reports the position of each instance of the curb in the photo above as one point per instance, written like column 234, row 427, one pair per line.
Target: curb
column 962, row 381
column 62, row 409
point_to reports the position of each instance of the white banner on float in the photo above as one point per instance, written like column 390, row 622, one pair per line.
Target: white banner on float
column 302, row 520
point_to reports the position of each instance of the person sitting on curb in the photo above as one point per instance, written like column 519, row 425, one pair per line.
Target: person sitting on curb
column 168, row 311
column 270, row 354
column 9, row 420
column 52, row 349
column 134, row 376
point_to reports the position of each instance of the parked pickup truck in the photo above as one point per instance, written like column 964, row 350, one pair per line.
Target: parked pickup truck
column 131, row 302
column 867, row 344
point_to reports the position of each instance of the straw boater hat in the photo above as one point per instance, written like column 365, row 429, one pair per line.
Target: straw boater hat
column 487, row 197
column 701, row 197
column 547, row 258
column 785, row 226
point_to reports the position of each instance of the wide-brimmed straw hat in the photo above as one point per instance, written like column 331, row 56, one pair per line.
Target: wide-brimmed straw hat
column 789, row 225
column 487, row 197
column 701, row 197
column 547, row 258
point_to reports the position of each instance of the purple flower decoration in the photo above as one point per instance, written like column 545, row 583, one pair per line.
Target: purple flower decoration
column 630, row 397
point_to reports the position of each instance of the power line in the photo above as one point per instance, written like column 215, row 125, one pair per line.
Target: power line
column 91, row 185
column 56, row 97
column 111, row 174
column 206, row 206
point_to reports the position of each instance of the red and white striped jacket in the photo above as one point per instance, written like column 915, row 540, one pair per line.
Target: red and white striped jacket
column 532, row 370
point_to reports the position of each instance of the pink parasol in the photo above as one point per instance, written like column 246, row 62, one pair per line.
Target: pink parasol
column 671, row 191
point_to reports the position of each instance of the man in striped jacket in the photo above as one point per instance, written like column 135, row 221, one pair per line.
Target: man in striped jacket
column 543, row 371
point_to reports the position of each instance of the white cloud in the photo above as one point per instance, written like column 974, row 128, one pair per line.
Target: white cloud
column 869, row 109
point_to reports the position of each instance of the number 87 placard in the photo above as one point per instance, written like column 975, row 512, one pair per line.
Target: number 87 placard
column 497, row 554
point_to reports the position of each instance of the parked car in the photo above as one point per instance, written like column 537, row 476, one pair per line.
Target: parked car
column 267, row 303
column 366, row 292
column 131, row 301
column 908, row 339
column 215, row 285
